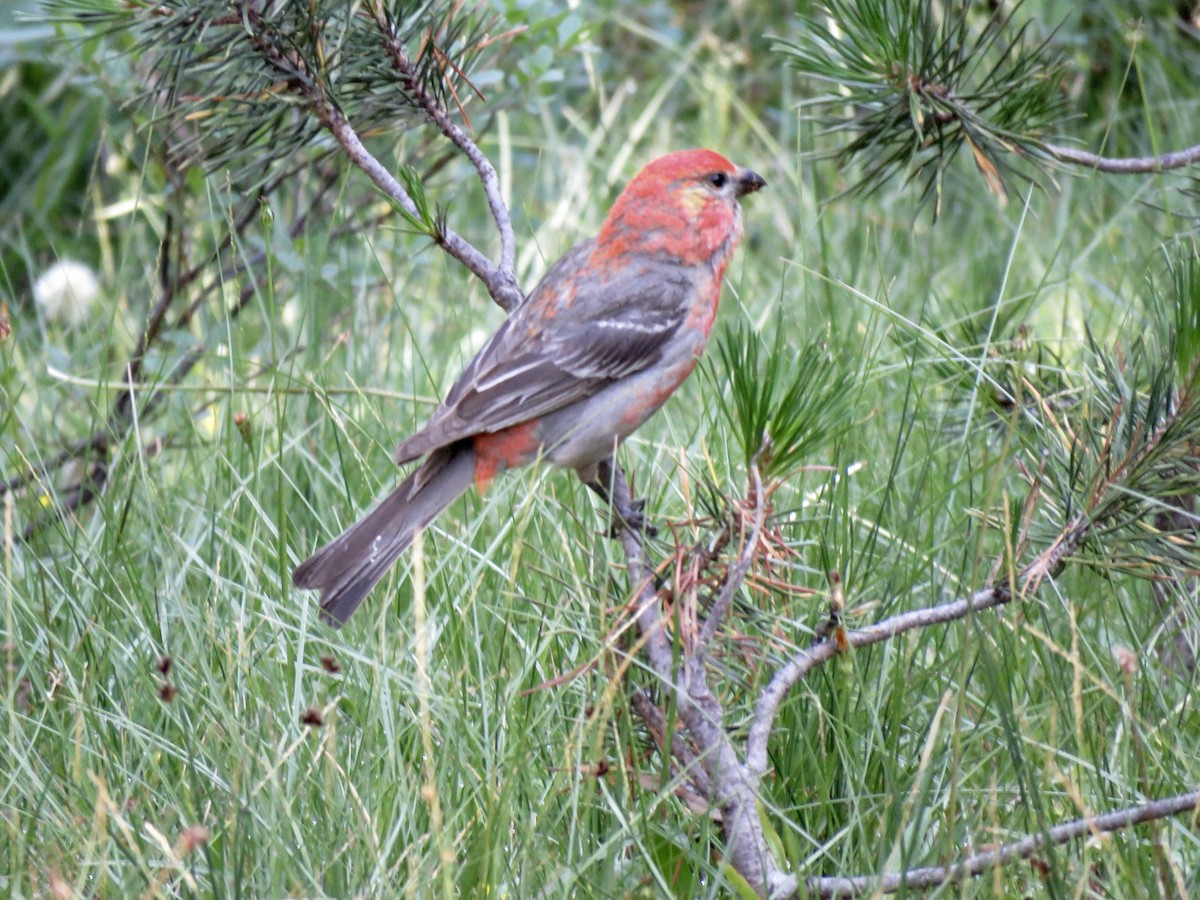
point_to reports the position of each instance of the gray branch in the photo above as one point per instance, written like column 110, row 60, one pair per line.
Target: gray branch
column 508, row 294
column 737, row 575
column 1047, row 564
column 500, row 284
column 500, row 280
column 805, row 661
column 1137, row 165
column 734, row 786
column 672, row 743
column 977, row 864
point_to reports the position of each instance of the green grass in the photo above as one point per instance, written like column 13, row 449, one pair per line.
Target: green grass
column 462, row 759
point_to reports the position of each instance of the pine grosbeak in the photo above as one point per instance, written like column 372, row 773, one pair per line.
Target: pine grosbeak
column 614, row 327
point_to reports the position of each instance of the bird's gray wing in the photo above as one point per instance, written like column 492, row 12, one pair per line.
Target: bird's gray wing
column 535, row 364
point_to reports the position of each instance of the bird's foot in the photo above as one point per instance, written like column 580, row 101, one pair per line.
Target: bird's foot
column 608, row 482
column 631, row 515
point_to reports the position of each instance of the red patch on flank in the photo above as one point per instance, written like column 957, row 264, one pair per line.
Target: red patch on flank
column 649, row 400
column 500, row 450
column 704, row 313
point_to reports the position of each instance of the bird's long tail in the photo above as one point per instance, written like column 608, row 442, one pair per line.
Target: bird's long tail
column 346, row 568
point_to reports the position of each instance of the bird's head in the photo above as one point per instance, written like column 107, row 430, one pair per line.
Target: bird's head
column 682, row 205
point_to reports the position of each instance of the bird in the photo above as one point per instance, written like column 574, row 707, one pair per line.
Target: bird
column 614, row 327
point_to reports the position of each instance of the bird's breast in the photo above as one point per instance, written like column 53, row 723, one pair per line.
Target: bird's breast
column 703, row 312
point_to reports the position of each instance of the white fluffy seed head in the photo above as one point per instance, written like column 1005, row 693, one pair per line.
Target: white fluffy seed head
column 65, row 291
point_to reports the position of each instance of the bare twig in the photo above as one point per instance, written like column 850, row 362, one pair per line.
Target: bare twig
column 1046, row 565
column 673, row 744
column 979, row 863
column 645, row 598
column 501, row 287
column 737, row 575
column 806, row 660
column 510, row 293
column 1138, row 165
column 169, row 289
column 88, row 489
column 500, row 281
column 42, row 469
column 125, row 410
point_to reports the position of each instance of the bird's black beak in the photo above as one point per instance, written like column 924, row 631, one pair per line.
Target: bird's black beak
column 748, row 182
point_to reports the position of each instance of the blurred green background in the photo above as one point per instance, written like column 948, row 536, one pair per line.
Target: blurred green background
column 161, row 676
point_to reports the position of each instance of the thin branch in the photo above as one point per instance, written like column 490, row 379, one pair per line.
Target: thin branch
column 458, row 136
column 500, row 282
column 1136, row 165
column 979, row 863
column 806, row 660
column 737, row 575
column 37, row 471
column 88, row 488
column 1047, row 565
column 501, row 288
column 645, row 597
column 99, row 441
column 124, row 413
column 673, row 744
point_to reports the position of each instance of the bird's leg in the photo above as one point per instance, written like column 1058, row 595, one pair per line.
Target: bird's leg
column 610, row 484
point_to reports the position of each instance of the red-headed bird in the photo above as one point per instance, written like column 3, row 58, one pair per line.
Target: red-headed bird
column 614, row 327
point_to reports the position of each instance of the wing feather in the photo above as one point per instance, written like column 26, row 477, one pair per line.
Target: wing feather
column 610, row 329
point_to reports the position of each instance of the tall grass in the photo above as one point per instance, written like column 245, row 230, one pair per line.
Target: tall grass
column 160, row 674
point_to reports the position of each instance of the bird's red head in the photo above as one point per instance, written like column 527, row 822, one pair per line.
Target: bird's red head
column 683, row 205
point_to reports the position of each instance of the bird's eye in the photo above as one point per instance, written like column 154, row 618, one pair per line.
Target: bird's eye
column 718, row 179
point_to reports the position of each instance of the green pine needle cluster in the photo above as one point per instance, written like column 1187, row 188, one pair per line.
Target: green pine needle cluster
column 913, row 82
column 1119, row 447
column 236, row 82
column 783, row 403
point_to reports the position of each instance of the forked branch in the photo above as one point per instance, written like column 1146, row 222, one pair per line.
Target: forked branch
column 407, row 70
column 499, row 279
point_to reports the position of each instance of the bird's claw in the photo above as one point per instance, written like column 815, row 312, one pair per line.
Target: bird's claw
column 632, row 516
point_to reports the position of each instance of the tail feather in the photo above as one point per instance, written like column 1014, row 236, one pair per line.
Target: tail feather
column 346, row 568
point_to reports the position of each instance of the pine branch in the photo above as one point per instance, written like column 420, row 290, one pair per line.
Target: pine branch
column 294, row 72
column 500, row 280
column 795, row 669
column 734, row 788
column 1109, row 497
column 500, row 283
column 1136, row 165
column 920, row 84
column 674, row 744
column 314, row 67
column 979, row 863
column 737, row 575
column 914, row 84
column 508, row 295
